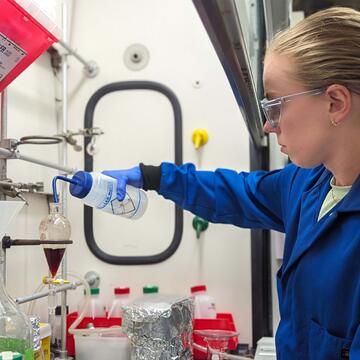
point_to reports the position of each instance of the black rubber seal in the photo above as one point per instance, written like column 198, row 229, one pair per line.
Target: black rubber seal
column 88, row 211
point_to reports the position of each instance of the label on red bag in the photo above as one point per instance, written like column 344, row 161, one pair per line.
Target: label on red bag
column 10, row 55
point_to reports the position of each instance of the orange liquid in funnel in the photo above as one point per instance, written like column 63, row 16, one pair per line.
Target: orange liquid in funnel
column 53, row 258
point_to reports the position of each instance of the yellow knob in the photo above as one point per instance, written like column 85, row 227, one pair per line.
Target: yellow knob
column 56, row 281
column 200, row 137
column 60, row 281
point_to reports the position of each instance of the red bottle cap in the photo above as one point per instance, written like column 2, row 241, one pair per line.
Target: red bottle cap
column 121, row 291
column 198, row 288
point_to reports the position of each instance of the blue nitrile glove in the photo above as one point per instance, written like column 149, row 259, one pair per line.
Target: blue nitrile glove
column 131, row 177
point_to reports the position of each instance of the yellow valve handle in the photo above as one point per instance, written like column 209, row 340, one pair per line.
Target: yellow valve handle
column 60, row 281
column 200, row 137
column 49, row 280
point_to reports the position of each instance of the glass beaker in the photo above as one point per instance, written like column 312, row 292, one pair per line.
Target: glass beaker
column 217, row 342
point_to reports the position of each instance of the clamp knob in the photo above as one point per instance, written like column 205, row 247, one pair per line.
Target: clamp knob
column 199, row 225
column 200, row 137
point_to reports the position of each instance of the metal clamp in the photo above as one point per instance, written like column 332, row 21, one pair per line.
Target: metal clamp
column 8, row 188
column 9, row 144
column 91, row 69
column 92, row 133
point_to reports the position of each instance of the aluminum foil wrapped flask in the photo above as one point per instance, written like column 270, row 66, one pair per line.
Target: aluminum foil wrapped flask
column 159, row 327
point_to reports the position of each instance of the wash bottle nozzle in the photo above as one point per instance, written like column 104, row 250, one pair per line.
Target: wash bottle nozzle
column 64, row 178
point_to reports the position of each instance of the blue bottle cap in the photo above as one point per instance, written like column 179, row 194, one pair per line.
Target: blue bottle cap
column 84, row 180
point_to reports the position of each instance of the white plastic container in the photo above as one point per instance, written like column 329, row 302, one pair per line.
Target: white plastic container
column 99, row 191
column 96, row 307
column 121, row 298
column 204, row 305
column 102, row 347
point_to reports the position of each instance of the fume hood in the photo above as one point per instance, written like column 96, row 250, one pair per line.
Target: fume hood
column 239, row 31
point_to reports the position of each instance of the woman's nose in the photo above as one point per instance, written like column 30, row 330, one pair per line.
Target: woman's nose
column 269, row 129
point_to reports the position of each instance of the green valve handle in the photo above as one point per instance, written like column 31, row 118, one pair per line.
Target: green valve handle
column 199, row 225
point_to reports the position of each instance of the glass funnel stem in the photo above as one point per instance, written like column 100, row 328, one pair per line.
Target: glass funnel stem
column 51, row 308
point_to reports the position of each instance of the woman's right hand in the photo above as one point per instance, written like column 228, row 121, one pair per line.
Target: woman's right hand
column 131, row 177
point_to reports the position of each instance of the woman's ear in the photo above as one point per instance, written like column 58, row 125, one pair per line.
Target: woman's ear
column 339, row 98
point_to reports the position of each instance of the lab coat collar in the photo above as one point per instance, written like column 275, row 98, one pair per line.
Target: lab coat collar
column 311, row 229
column 351, row 202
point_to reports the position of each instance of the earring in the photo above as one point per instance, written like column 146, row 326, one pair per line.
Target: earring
column 334, row 122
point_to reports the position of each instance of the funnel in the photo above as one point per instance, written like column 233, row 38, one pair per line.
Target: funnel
column 8, row 210
column 56, row 228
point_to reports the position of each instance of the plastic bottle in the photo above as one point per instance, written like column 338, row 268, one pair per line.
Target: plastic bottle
column 96, row 307
column 204, row 305
column 81, row 304
column 150, row 290
column 99, row 191
column 121, row 298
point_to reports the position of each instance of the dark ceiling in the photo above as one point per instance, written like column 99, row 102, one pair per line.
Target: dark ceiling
column 311, row 6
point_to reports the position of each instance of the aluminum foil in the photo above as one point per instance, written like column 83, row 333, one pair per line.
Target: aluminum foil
column 159, row 327
column 35, row 324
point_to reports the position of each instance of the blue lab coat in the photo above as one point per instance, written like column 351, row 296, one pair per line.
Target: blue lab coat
column 319, row 280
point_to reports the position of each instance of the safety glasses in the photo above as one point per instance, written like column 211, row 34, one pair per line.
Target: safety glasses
column 272, row 108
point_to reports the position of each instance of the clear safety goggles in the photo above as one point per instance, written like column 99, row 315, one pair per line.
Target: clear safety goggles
column 272, row 108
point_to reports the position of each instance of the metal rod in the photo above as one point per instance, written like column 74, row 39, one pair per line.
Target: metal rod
column 3, row 115
column 3, row 170
column 20, row 242
column 74, row 53
column 62, row 288
column 40, row 242
column 30, row 187
column 64, row 162
column 90, row 67
column 17, row 155
column 9, row 183
column 92, row 278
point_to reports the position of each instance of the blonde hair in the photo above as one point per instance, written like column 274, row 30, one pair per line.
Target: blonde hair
column 325, row 48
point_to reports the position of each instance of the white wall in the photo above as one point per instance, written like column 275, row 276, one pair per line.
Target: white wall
column 138, row 127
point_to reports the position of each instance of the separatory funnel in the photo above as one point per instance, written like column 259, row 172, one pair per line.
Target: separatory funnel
column 55, row 228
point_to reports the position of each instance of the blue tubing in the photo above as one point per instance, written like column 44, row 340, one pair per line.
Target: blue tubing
column 59, row 177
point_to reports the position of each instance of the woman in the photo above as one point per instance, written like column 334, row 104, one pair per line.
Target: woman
column 312, row 88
